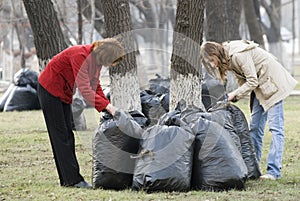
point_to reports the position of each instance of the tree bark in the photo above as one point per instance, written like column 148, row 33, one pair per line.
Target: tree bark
column 185, row 82
column 253, row 19
column 125, row 91
column 48, row 36
column 223, row 20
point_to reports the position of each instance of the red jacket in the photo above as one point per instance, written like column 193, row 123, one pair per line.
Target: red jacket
column 74, row 66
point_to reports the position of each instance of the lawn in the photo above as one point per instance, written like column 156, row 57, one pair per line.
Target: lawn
column 27, row 169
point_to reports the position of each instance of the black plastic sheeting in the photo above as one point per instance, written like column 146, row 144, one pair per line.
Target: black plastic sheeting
column 218, row 164
column 248, row 152
column 21, row 95
column 164, row 162
column 115, row 141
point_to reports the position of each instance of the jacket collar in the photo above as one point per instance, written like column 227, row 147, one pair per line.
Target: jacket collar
column 237, row 46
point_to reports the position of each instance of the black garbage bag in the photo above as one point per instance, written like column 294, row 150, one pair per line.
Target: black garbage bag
column 213, row 90
column 151, row 107
column 224, row 119
column 26, row 76
column 22, row 98
column 115, row 141
column 164, row 162
column 5, row 96
column 161, row 88
column 191, row 114
column 159, row 85
column 218, row 164
column 78, row 118
column 248, row 152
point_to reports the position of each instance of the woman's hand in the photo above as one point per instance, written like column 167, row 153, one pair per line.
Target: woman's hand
column 231, row 97
column 111, row 109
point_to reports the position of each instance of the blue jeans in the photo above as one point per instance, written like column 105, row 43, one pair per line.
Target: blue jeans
column 275, row 119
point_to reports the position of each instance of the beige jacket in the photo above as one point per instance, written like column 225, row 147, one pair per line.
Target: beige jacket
column 258, row 70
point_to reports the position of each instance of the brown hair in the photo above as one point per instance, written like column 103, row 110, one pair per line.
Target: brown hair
column 108, row 51
column 212, row 49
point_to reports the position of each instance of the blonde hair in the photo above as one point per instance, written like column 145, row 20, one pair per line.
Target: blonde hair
column 108, row 51
column 212, row 49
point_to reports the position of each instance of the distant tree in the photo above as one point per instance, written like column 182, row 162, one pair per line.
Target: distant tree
column 223, row 20
column 185, row 83
column 79, row 21
column 273, row 9
column 20, row 30
column 253, row 20
column 48, row 36
column 125, row 92
column 98, row 20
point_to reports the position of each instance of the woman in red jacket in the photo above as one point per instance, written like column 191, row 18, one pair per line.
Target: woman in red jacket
column 77, row 66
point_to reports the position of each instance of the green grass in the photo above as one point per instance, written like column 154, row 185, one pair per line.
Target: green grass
column 27, row 169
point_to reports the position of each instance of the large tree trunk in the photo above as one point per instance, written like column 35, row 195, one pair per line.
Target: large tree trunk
column 48, row 36
column 125, row 92
column 185, row 83
column 253, row 19
column 223, row 20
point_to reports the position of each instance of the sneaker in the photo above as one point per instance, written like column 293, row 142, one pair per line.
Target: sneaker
column 83, row 184
column 268, row 176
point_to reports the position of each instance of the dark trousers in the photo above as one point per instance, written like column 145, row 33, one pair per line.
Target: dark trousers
column 58, row 117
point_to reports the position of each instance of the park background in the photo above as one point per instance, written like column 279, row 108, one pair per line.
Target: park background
column 26, row 163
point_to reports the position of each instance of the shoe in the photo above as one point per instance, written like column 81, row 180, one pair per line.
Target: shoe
column 268, row 176
column 83, row 184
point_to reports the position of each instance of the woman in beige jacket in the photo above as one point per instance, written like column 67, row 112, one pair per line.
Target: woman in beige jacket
column 259, row 72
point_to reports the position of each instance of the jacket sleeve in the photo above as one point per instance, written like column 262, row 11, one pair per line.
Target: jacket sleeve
column 245, row 62
column 99, row 92
column 95, row 97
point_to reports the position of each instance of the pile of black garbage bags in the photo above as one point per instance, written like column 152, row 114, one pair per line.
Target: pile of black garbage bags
column 22, row 93
column 181, row 150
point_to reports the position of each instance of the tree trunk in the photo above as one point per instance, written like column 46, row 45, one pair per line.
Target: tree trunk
column 20, row 33
column 48, row 36
column 185, row 82
column 125, row 91
column 223, row 20
column 98, row 21
column 273, row 31
column 80, row 21
column 253, row 19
